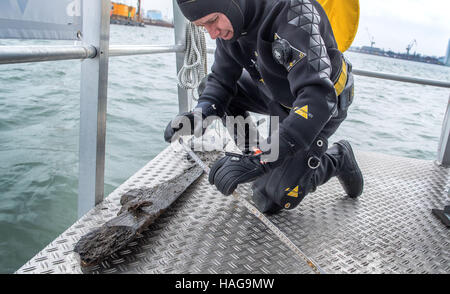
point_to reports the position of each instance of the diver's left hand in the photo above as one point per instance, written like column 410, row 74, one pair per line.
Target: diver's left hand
column 234, row 169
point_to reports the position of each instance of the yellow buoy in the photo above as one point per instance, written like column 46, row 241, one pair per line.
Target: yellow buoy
column 344, row 19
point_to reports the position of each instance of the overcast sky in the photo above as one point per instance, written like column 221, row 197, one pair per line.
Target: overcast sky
column 393, row 23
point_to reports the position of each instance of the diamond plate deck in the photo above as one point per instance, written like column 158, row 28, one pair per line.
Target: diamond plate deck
column 389, row 229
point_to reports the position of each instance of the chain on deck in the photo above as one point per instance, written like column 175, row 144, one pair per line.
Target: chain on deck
column 389, row 229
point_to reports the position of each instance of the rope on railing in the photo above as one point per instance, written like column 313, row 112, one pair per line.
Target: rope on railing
column 195, row 60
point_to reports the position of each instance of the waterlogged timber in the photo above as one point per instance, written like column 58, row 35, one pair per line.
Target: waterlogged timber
column 140, row 208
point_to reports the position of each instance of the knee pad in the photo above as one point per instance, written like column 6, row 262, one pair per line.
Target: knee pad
column 262, row 201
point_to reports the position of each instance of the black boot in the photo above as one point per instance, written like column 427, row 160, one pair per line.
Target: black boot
column 348, row 174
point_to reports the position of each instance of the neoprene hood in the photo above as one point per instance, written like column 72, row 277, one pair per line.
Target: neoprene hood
column 233, row 9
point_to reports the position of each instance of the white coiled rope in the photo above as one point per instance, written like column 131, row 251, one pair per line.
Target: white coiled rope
column 195, row 60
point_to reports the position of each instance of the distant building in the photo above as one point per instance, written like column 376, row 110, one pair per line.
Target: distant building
column 119, row 10
column 154, row 15
column 447, row 56
column 372, row 50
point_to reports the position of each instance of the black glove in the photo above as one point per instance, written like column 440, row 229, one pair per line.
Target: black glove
column 195, row 118
column 234, row 169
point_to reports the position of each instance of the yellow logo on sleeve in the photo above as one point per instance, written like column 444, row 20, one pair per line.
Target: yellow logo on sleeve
column 303, row 112
column 293, row 192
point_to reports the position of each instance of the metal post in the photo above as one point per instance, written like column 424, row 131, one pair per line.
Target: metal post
column 444, row 144
column 180, row 22
column 94, row 80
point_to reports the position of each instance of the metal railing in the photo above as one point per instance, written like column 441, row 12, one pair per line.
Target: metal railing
column 399, row 78
column 96, row 52
column 22, row 54
column 25, row 54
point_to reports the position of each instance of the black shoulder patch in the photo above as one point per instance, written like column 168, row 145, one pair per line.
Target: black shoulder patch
column 285, row 54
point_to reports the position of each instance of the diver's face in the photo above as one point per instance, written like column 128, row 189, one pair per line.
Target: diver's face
column 217, row 25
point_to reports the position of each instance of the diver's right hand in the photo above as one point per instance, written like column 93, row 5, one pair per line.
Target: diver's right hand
column 190, row 123
column 182, row 125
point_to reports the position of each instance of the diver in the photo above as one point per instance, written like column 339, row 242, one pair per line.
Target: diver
column 278, row 58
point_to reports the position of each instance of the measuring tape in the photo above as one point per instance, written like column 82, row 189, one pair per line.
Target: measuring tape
column 298, row 253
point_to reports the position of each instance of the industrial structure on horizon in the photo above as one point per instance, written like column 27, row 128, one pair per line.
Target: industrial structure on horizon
column 129, row 15
column 408, row 55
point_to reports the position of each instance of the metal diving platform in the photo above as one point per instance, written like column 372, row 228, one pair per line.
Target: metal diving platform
column 388, row 229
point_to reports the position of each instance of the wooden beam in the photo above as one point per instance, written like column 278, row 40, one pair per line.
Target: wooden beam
column 140, row 208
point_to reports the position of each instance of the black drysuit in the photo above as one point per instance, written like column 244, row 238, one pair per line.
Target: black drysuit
column 297, row 85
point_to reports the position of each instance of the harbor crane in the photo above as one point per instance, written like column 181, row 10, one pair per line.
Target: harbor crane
column 410, row 45
column 371, row 38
